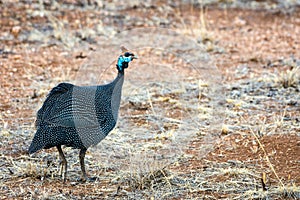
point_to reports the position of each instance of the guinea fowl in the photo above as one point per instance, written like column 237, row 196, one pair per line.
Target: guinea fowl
column 79, row 116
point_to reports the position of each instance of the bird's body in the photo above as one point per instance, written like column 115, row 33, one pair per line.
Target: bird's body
column 79, row 116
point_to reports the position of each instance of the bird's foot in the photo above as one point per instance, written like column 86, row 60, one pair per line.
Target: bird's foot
column 87, row 179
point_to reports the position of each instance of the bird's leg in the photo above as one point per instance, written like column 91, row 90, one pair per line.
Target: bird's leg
column 63, row 163
column 60, row 163
column 81, row 159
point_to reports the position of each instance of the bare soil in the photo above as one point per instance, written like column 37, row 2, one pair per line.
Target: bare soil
column 254, row 153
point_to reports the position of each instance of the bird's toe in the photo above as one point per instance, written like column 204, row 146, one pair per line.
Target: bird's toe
column 87, row 179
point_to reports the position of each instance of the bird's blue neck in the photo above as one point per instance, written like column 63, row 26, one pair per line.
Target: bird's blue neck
column 123, row 63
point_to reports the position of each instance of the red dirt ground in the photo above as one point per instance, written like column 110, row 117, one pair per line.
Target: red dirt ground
column 263, row 41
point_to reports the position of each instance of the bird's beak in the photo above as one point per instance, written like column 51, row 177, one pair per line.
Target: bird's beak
column 134, row 57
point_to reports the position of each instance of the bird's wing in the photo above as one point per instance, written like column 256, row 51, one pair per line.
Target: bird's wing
column 71, row 106
column 51, row 101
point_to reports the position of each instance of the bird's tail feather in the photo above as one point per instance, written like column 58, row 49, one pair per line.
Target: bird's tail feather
column 37, row 142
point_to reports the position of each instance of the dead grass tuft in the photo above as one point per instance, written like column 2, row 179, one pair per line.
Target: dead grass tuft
column 150, row 180
column 289, row 78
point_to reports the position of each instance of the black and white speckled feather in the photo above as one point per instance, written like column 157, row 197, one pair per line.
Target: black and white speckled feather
column 79, row 116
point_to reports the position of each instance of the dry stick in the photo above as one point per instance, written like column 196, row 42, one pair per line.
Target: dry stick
column 203, row 22
column 150, row 102
column 167, row 180
column 263, row 181
column 265, row 153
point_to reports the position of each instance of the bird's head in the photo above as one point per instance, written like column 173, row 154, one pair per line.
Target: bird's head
column 124, row 59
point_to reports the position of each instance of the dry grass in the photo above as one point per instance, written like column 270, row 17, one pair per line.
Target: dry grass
column 167, row 144
column 290, row 78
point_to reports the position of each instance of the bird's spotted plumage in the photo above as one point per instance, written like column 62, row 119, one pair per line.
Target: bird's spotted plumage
column 79, row 116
